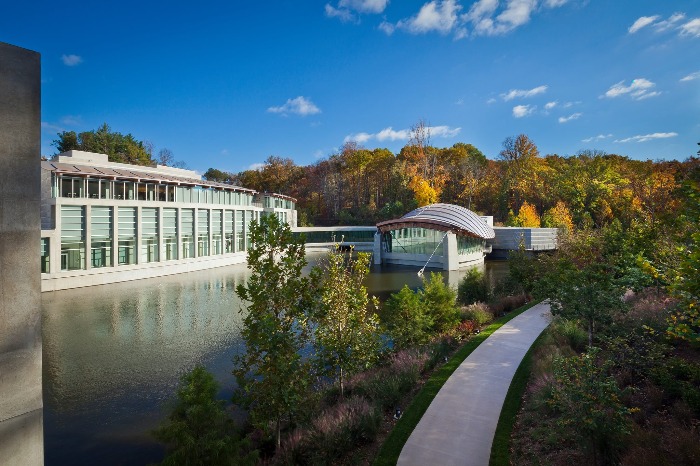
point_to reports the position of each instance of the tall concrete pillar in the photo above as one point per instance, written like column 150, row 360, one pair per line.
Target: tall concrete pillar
column 450, row 254
column 21, row 421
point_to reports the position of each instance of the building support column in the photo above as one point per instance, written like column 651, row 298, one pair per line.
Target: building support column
column 21, row 406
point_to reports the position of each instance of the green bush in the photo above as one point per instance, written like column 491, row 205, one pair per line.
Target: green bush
column 405, row 319
column 477, row 312
column 571, row 332
column 440, row 303
column 473, row 288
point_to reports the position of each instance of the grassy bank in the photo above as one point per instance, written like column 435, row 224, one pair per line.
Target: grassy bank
column 390, row 451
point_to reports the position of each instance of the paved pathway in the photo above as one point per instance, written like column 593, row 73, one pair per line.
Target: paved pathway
column 459, row 425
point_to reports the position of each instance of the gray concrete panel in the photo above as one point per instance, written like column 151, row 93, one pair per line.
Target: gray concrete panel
column 20, row 313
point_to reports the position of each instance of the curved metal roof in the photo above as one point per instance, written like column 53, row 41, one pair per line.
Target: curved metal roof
column 444, row 217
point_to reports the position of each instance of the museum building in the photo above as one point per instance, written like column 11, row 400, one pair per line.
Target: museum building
column 106, row 222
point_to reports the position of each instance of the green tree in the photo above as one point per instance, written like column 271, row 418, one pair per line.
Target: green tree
column 589, row 406
column 119, row 147
column 272, row 375
column 198, row 431
column 346, row 328
column 473, row 288
column 406, row 319
column 440, row 303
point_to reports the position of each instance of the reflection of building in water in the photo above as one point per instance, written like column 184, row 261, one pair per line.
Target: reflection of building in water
column 105, row 222
column 441, row 236
column 134, row 336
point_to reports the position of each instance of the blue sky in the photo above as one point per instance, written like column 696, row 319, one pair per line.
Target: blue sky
column 226, row 84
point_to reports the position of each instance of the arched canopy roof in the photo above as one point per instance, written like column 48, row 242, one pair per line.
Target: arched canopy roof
column 443, row 217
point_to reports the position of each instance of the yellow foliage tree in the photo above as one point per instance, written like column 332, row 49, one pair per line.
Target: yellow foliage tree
column 527, row 216
column 558, row 217
column 422, row 191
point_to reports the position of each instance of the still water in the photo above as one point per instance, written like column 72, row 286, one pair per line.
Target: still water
column 113, row 355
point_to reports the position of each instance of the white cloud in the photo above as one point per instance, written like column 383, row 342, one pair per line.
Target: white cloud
column 573, row 116
column 642, row 22
column 71, row 120
column 520, row 111
column 439, row 16
column 661, row 26
column 390, row 134
column 600, row 137
column 648, row 137
column 347, row 9
column 300, row 105
column 517, row 93
column 691, row 77
column 486, row 20
column 638, row 89
column 550, row 105
column 691, row 28
column 71, row 60
column 45, row 125
column 256, row 166
column 386, row 27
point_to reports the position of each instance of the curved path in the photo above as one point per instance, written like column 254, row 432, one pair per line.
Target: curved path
column 459, row 425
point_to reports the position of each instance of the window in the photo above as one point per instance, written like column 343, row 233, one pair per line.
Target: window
column 202, row 232
column 127, row 235
column 101, row 237
column 216, row 233
column 228, row 231
column 45, row 255
column 72, row 237
column 240, row 239
column 170, row 233
column 149, row 235
column 187, row 233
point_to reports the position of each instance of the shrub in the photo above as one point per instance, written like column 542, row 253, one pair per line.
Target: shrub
column 477, row 312
column 508, row 304
column 405, row 318
column 466, row 328
column 571, row 332
column 473, row 288
column 440, row 303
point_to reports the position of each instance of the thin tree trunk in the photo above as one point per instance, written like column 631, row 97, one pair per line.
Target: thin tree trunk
column 342, row 391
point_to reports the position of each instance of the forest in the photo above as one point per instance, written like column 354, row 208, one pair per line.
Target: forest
column 359, row 186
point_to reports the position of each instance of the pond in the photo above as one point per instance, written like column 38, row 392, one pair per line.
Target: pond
column 113, row 355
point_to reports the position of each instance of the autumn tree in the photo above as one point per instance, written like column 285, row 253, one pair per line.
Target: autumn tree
column 520, row 156
column 558, row 217
column 272, row 375
column 346, row 328
column 527, row 217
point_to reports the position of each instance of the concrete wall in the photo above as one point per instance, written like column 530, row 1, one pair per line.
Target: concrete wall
column 21, row 429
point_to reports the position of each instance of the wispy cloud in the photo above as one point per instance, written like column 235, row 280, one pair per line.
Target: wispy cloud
column 435, row 16
column 390, row 134
column 45, row 125
column 600, row 137
column 387, row 28
column 300, row 106
column 523, row 93
column 642, row 22
column 648, row 137
column 71, row 60
column 71, row 120
column 691, row 77
column 573, row 116
column 348, row 10
column 691, row 28
column 486, row 20
column 550, row 105
column 638, row 89
column 256, row 166
column 520, row 111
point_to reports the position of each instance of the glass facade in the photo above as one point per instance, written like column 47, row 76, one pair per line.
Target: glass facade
column 72, row 237
column 240, row 231
column 413, row 241
column 469, row 245
column 216, row 232
column 149, row 235
column 202, row 232
column 170, row 234
column 45, row 255
column 127, row 235
column 187, row 232
column 101, row 221
column 228, row 231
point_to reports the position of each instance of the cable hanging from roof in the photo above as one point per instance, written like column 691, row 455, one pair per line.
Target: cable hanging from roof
column 420, row 272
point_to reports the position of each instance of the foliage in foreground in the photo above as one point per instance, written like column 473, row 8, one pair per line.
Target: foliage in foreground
column 272, row 375
column 198, row 430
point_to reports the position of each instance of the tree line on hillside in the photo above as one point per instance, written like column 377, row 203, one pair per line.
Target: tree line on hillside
column 520, row 188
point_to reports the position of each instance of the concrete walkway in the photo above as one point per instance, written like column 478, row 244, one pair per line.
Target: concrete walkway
column 459, row 425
